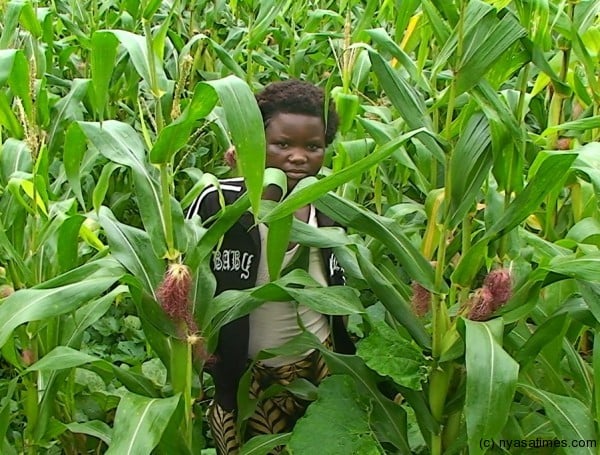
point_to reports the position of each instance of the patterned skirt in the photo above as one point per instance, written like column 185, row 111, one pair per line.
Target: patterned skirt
column 274, row 414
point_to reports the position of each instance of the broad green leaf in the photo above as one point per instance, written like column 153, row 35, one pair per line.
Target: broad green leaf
column 470, row 164
column 10, row 21
column 247, row 130
column 129, row 246
column 224, row 56
column 385, row 231
column 95, row 428
column 491, row 382
column 585, row 231
column 118, row 142
column 408, row 102
column 102, row 184
column 263, row 444
column 583, row 124
column 177, row 134
column 388, row 418
column 37, row 304
column 103, row 55
column 68, row 235
column 277, row 244
column 87, row 315
column 139, row 423
column 267, row 13
column 308, row 190
column 5, row 407
column 147, row 66
column 393, row 301
column 481, row 55
column 385, row 42
column 389, row 354
column 69, row 108
column 14, row 69
column 549, row 175
column 14, row 156
column 8, row 117
column 570, row 418
column 61, row 358
column 72, row 158
column 543, row 335
column 347, row 430
column 595, row 367
column 585, row 268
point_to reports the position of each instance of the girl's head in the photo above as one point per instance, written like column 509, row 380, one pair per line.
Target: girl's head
column 298, row 97
column 297, row 128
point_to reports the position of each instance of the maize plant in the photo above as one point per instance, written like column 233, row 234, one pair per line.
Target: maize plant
column 466, row 174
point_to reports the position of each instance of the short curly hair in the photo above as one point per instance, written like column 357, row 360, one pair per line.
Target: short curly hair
column 297, row 97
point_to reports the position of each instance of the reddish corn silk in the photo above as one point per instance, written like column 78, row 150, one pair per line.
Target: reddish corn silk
column 421, row 299
column 499, row 283
column 173, row 293
column 174, row 297
column 481, row 305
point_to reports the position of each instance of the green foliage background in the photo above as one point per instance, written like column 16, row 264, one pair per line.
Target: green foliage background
column 468, row 143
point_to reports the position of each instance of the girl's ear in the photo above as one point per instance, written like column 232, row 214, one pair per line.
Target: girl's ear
column 230, row 158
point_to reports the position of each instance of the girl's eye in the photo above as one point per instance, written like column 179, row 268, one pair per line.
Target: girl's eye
column 282, row 145
column 313, row 147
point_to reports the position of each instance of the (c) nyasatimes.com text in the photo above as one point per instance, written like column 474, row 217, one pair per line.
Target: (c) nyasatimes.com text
column 537, row 443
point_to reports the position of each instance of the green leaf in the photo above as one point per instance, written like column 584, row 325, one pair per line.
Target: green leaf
column 388, row 418
column 14, row 69
column 481, row 55
column 308, row 190
column 5, row 407
column 277, row 244
column 103, row 55
column 491, row 382
column 381, row 38
column 129, row 246
column 583, row 124
column 247, row 130
column 347, row 415
column 263, row 444
column 408, row 102
column 119, row 142
column 72, row 159
column 389, row 354
column 140, row 423
column 595, row 368
column 37, row 304
column 469, row 166
column 549, row 175
column 386, row 231
column 543, row 335
column 586, row 268
column 68, row 234
column 15, row 156
column 393, row 301
column 87, row 315
column 61, row 358
column 102, row 184
column 95, row 428
column 570, row 418
column 177, row 134
column 150, row 69
column 69, row 108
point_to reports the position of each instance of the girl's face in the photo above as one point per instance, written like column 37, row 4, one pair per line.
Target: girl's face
column 296, row 145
